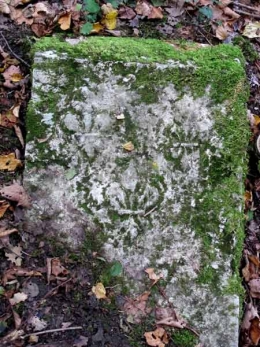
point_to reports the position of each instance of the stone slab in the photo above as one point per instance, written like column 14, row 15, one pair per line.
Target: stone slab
column 175, row 201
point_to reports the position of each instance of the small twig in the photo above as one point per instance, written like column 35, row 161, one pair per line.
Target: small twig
column 192, row 330
column 248, row 14
column 51, row 331
column 147, row 213
column 245, row 6
column 54, row 289
column 10, row 49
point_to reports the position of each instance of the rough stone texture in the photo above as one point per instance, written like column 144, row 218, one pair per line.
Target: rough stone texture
column 174, row 202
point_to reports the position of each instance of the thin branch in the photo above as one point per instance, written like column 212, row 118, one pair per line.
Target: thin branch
column 153, row 209
column 10, row 49
column 51, row 331
column 245, row 6
column 248, row 14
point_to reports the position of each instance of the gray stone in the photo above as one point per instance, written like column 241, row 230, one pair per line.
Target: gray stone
column 173, row 203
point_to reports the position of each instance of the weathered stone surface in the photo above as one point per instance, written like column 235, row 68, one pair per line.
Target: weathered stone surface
column 173, row 203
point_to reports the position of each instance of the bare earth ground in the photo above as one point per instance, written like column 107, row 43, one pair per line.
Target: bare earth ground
column 64, row 296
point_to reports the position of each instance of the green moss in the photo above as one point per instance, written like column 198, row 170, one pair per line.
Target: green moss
column 247, row 48
column 184, row 338
column 219, row 67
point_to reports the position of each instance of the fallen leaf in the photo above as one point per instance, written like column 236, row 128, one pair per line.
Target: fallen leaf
column 168, row 316
column 17, row 319
column 19, row 134
column 12, row 74
column 136, row 308
column 176, row 9
column 126, row 12
column 155, row 278
column 18, row 297
column 109, row 16
column 99, row 290
column 129, row 146
column 155, row 13
column 228, row 12
column 15, row 256
column 8, row 119
column 97, row 27
column 143, row 8
column 157, row 338
column 9, row 162
column 250, row 313
column 254, row 331
column 252, row 30
column 65, row 21
column 221, row 33
column 15, row 192
column 37, row 324
column 254, row 288
column 11, row 274
column 57, row 268
column 33, row 338
column 4, row 8
column 246, row 270
column 82, row 341
column 4, row 205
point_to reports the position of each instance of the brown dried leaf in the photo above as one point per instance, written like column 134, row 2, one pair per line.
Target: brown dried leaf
column 15, row 256
column 137, row 308
column 254, row 331
column 155, row 13
column 4, row 8
column 255, row 288
column 221, row 33
column 58, row 269
column 4, row 205
column 10, row 274
column 230, row 13
column 17, row 319
column 157, row 338
column 8, row 119
column 12, row 74
column 250, row 313
column 168, row 316
column 224, row 3
column 19, row 134
column 246, row 271
column 126, row 12
column 65, row 21
column 9, row 162
column 15, row 192
column 155, row 278
column 143, row 8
